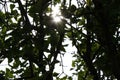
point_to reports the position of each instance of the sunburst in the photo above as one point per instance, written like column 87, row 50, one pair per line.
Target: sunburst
column 56, row 14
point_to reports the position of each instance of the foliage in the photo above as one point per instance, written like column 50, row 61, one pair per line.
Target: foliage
column 32, row 41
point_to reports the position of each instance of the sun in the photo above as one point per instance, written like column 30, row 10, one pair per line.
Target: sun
column 56, row 19
column 56, row 14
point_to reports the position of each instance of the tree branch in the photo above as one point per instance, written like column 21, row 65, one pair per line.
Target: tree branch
column 23, row 12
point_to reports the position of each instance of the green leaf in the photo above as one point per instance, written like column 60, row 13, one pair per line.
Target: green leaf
column 56, row 1
column 88, row 2
column 73, row 63
column 55, row 74
column 12, row 6
column 9, row 73
column 16, row 63
column 2, row 18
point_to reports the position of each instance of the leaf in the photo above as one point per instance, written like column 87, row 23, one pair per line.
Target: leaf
column 12, row 6
column 88, row 2
column 56, row 61
column 55, row 74
column 73, row 63
column 19, row 71
column 63, row 49
column 2, row 18
column 16, row 64
column 74, row 20
column 71, row 69
column 9, row 73
column 72, row 8
column 10, row 60
column 56, row 1
column 70, row 78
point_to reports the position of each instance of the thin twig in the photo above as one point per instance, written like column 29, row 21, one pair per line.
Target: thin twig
column 62, row 63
